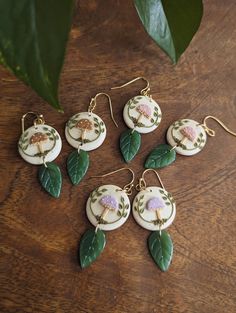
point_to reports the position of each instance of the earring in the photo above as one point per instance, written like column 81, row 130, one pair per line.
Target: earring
column 107, row 208
column 142, row 115
column 85, row 131
column 186, row 137
column 154, row 209
column 40, row 144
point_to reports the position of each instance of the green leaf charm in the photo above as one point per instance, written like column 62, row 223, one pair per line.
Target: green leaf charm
column 171, row 24
column 161, row 249
column 50, row 178
column 33, row 38
column 130, row 142
column 91, row 246
column 77, row 165
column 163, row 155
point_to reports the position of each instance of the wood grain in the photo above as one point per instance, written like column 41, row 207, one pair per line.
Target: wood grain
column 40, row 235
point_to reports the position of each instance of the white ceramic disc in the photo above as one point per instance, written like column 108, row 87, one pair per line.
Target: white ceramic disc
column 109, row 206
column 142, row 113
column 190, row 136
column 88, row 126
column 38, row 141
column 154, row 208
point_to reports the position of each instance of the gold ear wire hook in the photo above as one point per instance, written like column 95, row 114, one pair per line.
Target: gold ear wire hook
column 93, row 104
column 39, row 119
column 142, row 183
column 128, row 187
column 145, row 91
column 210, row 131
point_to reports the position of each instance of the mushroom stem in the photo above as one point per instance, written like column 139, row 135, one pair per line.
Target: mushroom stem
column 83, row 134
column 104, row 213
column 139, row 118
column 158, row 214
column 40, row 147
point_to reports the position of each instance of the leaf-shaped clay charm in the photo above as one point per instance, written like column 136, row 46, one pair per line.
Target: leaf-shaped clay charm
column 130, row 142
column 50, row 178
column 163, row 155
column 161, row 249
column 77, row 165
column 91, row 246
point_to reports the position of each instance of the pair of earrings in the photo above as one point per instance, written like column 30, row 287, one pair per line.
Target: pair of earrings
column 108, row 207
column 40, row 144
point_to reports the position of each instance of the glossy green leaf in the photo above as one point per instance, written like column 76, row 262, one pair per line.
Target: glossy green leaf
column 50, row 178
column 161, row 249
column 77, row 165
column 130, row 142
column 91, row 246
column 33, row 37
column 163, row 155
column 171, row 24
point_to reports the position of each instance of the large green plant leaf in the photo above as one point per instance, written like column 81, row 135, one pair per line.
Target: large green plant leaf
column 161, row 249
column 33, row 37
column 171, row 23
column 130, row 141
column 77, row 165
column 161, row 156
column 91, row 246
column 50, row 178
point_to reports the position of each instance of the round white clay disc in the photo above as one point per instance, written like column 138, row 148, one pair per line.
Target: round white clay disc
column 85, row 127
column 38, row 141
column 108, row 206
column 142, row 113
column 154, row 208
column 188, row 134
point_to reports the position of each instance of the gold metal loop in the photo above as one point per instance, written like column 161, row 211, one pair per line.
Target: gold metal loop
column 93, row 104
column 128, row 187
column 37, row 121
column 210, row 131
column 142, row 183
column 144, row 92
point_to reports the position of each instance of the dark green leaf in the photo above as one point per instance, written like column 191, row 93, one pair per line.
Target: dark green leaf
column 161, row 249
column 77, row 165
column 33, row 37
column 130, row 142
column 163, row 155
column 50, row 178
column 91, row 246
column 171, row 24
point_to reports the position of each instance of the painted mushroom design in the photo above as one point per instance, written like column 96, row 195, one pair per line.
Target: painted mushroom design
column 84, row 125
column 143, row 110
column 157, row 205
column 109, row 203
column 189, row 133
column 38, row 139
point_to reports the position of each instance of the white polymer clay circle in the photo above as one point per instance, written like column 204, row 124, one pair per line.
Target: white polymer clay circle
column 152, row 205
column 110, row 200
column 87, row 125
column 39, row 143
column 142, row 113
column 193, row 132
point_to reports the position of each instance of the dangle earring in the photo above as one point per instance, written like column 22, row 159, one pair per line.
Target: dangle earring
column 107, row 208
column 40, row 144
column 186, row 137
column 142, row 115
column 85, row 131
column 154, row 209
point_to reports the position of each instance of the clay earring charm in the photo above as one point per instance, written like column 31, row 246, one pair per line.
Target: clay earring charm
column 40, row 144
column 154, row 209
column 107, row 208
column 186, row 137
column 142, row 115
column 85, row 131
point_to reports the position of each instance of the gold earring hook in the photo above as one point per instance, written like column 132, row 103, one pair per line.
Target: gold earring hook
column 144, row 92
column 93, row 104
column 128, row 187
column 210, row 131
column 142, row 183
column 38, row 120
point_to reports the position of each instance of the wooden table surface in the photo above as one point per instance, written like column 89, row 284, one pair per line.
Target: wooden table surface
column 40, row 235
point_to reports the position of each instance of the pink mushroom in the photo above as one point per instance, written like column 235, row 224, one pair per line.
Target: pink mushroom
column 143, row 110
column 157, row 205
column 188, row 132
column 38, row 139
column 109, row 203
